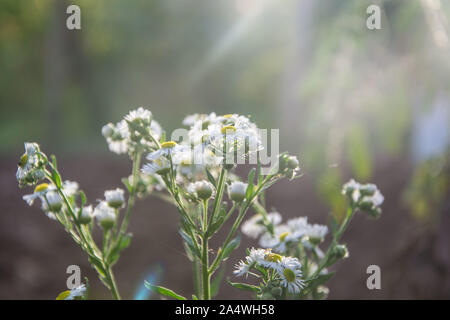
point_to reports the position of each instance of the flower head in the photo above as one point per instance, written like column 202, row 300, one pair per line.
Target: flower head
column 237, row 191
column 115, row 198
column 105, row 215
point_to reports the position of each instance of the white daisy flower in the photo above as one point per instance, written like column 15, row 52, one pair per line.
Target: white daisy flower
column 77, row 292
column 241, row 268
column 291, row 276
column 139, row 114
column 168, row 148
column 39, row 192
column 105, row 215
column 159, row 166
column 281, row 238
column 254, row 226
column 271, row 260
column 115, row 198
column 316, row 233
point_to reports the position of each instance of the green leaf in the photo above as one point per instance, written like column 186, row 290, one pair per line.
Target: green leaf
column 251, row 176
column 194, row 297
column 319, row 280
column 230, row 247
column 127, row 184
column 333, row 224
column 243, row 286
column 164, row 291
column 215, row 284
column 114, row 254
column 83, row 198
column 189, row 243
column 211, row 178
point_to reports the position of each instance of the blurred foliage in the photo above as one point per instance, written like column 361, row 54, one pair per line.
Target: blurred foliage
column 343, row 95
column 429, row 188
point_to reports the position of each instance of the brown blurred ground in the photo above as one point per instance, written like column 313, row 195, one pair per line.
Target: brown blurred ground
column 35, row 251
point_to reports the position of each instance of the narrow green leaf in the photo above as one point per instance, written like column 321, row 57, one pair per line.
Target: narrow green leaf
column 215, row 284
column 319, row 280
column 83, row 198
column 251, row 176
column 211, row 178
column 164, row 291
column 243, row 286
column 230, row 247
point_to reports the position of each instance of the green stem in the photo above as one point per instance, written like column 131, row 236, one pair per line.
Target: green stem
column 350, row 213
column 205, row 263
column 219, row 193
column 112, row 283
column 132, row 197
column 237, row 222
column 205, row 272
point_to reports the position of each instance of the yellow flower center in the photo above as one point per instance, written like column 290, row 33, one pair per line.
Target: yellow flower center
column 228, row 129
column 289, row 275
column 272, row 257
column 41, row 187
column 185, row 163
column 168, row 144
column 23, row 160
column 226, row 116
column 284, row 235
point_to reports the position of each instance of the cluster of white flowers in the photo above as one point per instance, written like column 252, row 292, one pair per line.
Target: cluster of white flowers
column 365, row 197
column 287, row 269
column 51, row 200
column 135, row 130
column 105, row 211
column 284, row 236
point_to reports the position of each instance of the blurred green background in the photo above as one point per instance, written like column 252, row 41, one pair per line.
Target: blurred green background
column 350, row 101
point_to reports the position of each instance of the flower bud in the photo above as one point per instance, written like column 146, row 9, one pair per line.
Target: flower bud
column 85, row 215
column 203, row 189
column 237, row 191
column 115, row 198
column 54, row 201
column 105, row 215
column 340, row 251
column 292, row 162
column 276, row 291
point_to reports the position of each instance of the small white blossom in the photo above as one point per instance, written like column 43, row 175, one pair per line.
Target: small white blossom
column 86, row 215
column 105, row 215
column 77, row 292
column 237, row 191
column 254, row 226
column 115, row 198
